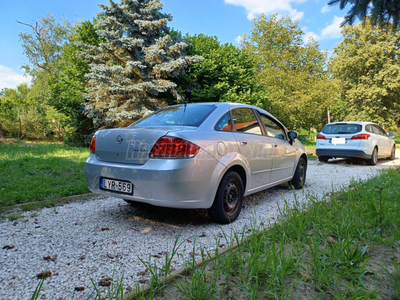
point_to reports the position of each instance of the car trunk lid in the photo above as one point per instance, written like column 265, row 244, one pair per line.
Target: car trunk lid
column 129, row 145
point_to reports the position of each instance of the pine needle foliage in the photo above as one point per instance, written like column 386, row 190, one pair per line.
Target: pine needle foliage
column 131, row 72
column 380, row 11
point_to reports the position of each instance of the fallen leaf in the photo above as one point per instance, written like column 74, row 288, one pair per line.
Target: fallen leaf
column 8, row 247
column 330, row 240
column 193, row 254
column 142, row 280
column 305, row 276
column 221, row 245
column 232, row 295
column 129, row 288
column 142, row 273
column 79, row 288
column 105, row 228
column 45, row 275
column 157, row 256
column 203, row 234
column 83, row 257
column 189, row 241
column 105, row 281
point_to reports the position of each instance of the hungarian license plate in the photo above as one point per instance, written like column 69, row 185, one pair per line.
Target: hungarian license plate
column 338, row 141
column 120, row 186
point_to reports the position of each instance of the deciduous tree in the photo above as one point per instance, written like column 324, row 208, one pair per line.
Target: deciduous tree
column 226, row 74
column 367, row 64
column 291, row 70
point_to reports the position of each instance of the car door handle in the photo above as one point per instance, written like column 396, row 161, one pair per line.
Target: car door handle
column 275, row 145
column 243, row 143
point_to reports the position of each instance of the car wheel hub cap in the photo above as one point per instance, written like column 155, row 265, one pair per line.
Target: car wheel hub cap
column 230, row 197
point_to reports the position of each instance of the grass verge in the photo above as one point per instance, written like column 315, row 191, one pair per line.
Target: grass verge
column 40, row 172
column 345, row 248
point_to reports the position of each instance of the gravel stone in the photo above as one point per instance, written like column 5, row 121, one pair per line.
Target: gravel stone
column 72, row 231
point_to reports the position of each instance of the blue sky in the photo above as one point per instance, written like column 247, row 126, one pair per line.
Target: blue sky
column 226, row 19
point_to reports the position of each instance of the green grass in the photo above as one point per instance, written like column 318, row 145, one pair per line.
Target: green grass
column 40, row 172
column 343, row 248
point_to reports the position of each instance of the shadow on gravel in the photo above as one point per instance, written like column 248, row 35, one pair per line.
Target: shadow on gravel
column 171, row 216
column 354, row 161
column 184, row 217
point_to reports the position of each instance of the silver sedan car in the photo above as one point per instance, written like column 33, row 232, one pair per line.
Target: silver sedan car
column 203, row 155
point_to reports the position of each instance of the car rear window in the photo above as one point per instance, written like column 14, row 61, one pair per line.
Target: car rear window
column 342, row 128
column 182, row 115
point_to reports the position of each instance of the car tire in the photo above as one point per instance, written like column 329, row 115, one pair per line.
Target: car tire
column 299, row 177
column 393, row 153
column 374, row 157
column 323, row 158
column 228, row 199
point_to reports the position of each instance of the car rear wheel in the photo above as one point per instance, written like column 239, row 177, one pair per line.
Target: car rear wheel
column 299, row 177
column 393, row 153
column 374, row 158
column 228, row 200
column 323, row 158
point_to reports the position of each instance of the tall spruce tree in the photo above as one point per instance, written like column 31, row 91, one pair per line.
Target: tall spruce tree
column 131, row 71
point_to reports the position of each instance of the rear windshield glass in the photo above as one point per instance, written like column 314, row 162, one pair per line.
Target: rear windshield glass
column 342, row 128
column 182, row 115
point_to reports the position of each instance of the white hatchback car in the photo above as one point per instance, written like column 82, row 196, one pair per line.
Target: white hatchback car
column 364, row 140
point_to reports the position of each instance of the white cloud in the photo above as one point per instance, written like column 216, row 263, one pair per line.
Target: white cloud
column 333, row 30
column 325, row 9
column 11, row 79
column 268, row 7
column 309, row 34
column 239, row 39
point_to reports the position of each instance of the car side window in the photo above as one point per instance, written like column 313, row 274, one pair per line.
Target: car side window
column 245, row 121
column 272, row 128
column 375, row 129
column 224, row 124
column 368, row 128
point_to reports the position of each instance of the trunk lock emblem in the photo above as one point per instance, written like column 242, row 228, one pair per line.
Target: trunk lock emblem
column 119, row 139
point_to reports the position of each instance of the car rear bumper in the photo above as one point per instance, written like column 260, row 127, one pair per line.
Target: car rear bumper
column 177, row 183
column 345, row 153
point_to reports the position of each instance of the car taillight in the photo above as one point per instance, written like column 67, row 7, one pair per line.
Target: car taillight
column 93, row 144
column 361, row 136
column 173, row 147
column 321, row 137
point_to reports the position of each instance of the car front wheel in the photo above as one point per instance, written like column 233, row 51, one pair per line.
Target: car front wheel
column 299, row 177
column 228, row 200
column 374, row 158
column 393, row 153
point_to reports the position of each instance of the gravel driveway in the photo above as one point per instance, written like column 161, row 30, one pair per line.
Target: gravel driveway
column 79, row 241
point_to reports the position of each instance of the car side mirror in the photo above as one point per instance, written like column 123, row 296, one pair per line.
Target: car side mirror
column 391, row 135
column 293, row 135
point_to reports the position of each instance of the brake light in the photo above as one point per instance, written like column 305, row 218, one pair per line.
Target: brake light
column 93, row 144
column 361, row 136
column 173, row 147
column 321, row 137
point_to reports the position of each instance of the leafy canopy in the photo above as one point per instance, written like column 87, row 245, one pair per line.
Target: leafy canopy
column 291, row 70
column 226, row 74
column 367, row 64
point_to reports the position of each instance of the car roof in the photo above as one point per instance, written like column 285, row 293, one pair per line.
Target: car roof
column 352, row 122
